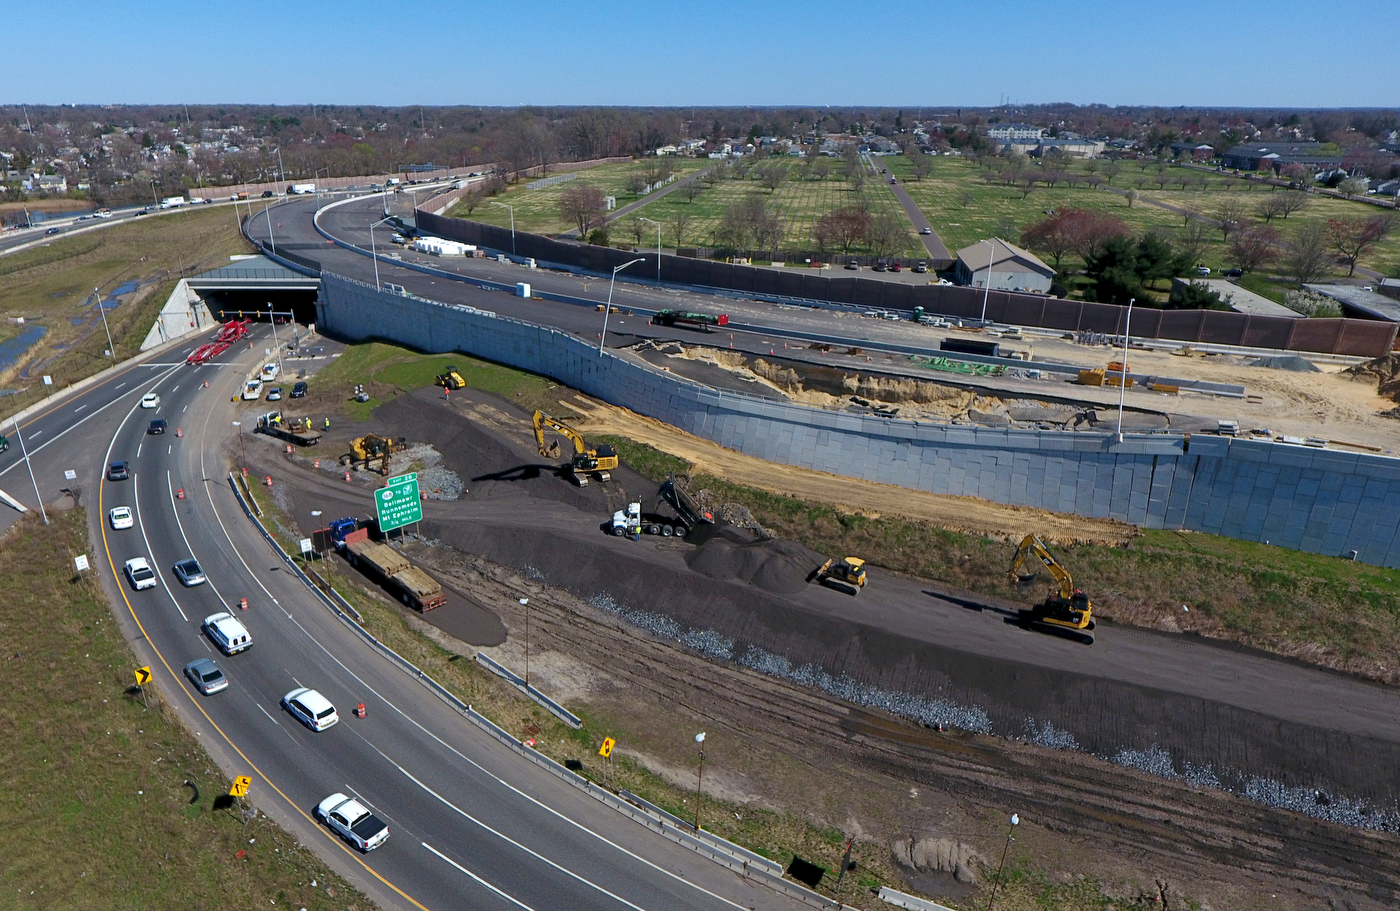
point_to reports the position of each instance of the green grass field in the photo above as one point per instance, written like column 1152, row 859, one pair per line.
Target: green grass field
column 964, row 208
column 49, row 285
column 92, row 782
column 537, row 211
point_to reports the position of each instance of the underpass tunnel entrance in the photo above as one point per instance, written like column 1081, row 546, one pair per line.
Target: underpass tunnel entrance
column 255, row 304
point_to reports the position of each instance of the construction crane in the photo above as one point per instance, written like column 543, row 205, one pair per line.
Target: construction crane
column 597, row 462
column 845, row 574
column 1066, row 611
column 370, row 448
column 451, row 379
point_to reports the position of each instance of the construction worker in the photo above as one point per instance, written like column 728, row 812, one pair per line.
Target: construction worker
column 328, row 423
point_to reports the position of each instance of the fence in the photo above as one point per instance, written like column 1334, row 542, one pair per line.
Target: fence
column 1363, row 338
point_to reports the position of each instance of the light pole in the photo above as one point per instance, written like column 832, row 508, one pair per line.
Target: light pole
column 512, row 224
column 281, row 174
column 1015, row 821
column 155, row 198
column 987, row 282
column 372, row 254
column 1123, row 374
column 525, row 603
column 272, row 316
column 37, row 496
column 111, row 348
column 318, row 185
column 267, row 210
column 658, row 243
column 699, row 776
column 607, row 308
column 242, row 446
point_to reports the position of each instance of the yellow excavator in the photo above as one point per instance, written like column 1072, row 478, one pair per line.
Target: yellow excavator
column 845, row 574
column 597, row 462
column 1064, row 612
column 450, row 380
column 370, row 448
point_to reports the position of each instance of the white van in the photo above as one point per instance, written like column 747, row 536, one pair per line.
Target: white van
column 227, row 633
column 269, row 372
column 252, row 390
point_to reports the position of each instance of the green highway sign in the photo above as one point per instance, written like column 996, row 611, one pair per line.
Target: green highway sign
column 397, row 503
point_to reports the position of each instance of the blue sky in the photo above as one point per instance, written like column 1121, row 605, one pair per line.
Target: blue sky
column 1285, row 53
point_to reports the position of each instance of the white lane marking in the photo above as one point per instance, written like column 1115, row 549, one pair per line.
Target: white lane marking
column 170, row 488
column 35, row 434
column 176, row 386
column 264, row 711
column 503, row 836
column 79, row 408
column 138, row 447
column 184, row 408
column 136, row 496
column 510, row 898
column 119, row 385
column 169, row 448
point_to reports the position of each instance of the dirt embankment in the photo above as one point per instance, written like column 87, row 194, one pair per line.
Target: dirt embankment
column 1383, row 371
column 963, row 514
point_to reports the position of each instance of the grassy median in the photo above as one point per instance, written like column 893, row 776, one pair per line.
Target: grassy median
column 93, row 782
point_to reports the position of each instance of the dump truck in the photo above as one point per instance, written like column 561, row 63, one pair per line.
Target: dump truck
column 410, row 584
column 702, row 321
column 294, row 430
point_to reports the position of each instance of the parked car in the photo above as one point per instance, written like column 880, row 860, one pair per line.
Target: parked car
column 299, row 391
column 895, row 267
column 1203, row 271
column 189, row 573
column 206, row 676
column 140, row 574
column 120, row 517
column 921, row 266
column 150, row 400
column 351, row 821
column 117, row 471
column 1232, row 273
column 882, row 265
column 310, row 708
column 269, row 372
column 274, row 394
column 853, row 266
column 157, row 426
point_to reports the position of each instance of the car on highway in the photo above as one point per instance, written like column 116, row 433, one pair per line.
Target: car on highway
column 189, row 573
column 224, row 630
column 102, row 213
column 117, row 471
column 206, row 676
column 120, row 517
column 310, row 708
column 139, row 212
column 157, row 426
column 274, row 394
column 925, row 230
column 140, row 574
column 299, row 391
column 268, row 194
column 349, row 819
column 150, row 400
column 52, row 231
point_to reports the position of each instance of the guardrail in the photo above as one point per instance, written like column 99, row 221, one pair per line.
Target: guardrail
column 913, row 903
column 506, row 674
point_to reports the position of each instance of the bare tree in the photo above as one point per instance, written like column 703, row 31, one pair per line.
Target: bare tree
column 470, row 202
column 1253, row 246
column 886, row 235
column 1094, row 181
column 636, row 183
column 847, row 227
column 1028, row 182
column 1305, row 255
column 966, row 198
column 1352, row 237
column 690, row 190
column 1194, row 239
column 678, row 222
column 1269, row 207
column 582, row 205
column 1291, row 201
column 919, row 165
column 1229, row 215
column 1111, row 169
column 636, row 227
column 1354, row 186
column 1052, row 175
column 1131, row 196
column 773, row 176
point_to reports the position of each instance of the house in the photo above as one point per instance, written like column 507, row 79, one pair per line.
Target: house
column 1011, row 268
column 1069, row 148
column 1272, row 156
column 1014, row 132
column 1201, row 152
column 48, row 183
column 1241, row 300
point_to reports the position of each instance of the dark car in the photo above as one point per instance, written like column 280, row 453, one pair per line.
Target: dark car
column 268, row 194
column 299, row 391
column 52, row 231
column 117, row 471
column 1233, row 273
column 882, row 265
column 157, row 426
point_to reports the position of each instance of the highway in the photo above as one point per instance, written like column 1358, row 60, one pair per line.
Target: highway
column 472, row 824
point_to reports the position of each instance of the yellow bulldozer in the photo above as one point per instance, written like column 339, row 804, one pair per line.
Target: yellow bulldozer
column 1066, row 611
column 371, row 448
column 845, row 574
column 450, row 380
column 596, row 462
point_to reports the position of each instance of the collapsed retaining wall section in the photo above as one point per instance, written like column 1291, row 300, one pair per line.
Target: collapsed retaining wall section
column 1314, row 500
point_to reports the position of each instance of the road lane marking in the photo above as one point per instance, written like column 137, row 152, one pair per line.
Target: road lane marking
column 119, row 385
column 136, row 496
column 79, row 408
column 138, row 449
column 510, row 898
column 208, row 580
column 264, row 711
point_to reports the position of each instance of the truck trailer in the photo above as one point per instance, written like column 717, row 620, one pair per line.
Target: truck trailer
column 301, row 189
column 295, row 430
column 172, row 202
column 702, row 321
column 414, row 587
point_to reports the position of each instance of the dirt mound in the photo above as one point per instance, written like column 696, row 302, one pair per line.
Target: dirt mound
column 1383, row 371
column 1287, row 362
column 775, row 566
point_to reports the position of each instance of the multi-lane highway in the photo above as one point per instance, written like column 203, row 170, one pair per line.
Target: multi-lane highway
column 472, row 825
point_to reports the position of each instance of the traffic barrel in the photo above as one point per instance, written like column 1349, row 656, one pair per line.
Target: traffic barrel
column 347, row 475
column 268, row 480
column 242, row 603
column 179, row 432
column 360, row 711
column 180, row 494
column 318, row 463
column 289, row 450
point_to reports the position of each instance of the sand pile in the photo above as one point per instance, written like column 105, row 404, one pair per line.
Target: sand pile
column 772, row 565
column 1383, row 371
column 1287, row 362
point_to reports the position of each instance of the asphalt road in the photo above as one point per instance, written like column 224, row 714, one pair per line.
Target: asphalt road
column 471, row 823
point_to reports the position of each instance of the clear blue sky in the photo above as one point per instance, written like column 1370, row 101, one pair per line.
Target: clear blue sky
column 1283, row 53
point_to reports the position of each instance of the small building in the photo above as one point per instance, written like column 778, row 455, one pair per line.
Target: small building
column 1192, row 151
column 1236, row 298
column 1360, row 302
column 1069, row 148
column 1010, row 268
column 1015, row 132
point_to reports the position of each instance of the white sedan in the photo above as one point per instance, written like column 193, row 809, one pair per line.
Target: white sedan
column 121, row 517
column 353, row 822
column 310, row 708
column 150, row 400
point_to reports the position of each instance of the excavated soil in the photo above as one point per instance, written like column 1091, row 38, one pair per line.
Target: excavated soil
column 1384, row 372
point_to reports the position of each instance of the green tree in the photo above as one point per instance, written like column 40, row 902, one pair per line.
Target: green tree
column 1195, row 296
column 1114, row 271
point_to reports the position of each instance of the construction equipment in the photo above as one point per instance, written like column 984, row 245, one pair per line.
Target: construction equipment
column 413, row 586
column 297, row 430
column 705, row 322
column 1066, row 611
column 597, row 462
column 845, row 574
column 369, row 448
column 686, row 515
column 451, row 380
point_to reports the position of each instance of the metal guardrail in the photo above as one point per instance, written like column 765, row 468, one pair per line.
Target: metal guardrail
column 912, row 903
column 554, row 708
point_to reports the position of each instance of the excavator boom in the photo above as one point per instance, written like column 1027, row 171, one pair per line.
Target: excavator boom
column 598, row 461
column 1066, row 612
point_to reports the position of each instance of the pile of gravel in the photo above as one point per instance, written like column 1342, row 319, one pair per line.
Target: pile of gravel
column 1286, row 362
column 434, row 481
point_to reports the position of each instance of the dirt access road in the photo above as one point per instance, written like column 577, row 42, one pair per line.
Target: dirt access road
column 1198, row 711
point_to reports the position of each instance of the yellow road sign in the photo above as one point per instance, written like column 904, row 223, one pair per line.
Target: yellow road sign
column 143, row 676
column 606, row 749
column 240, row 786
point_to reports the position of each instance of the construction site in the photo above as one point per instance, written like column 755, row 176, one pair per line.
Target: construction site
column 921, row 706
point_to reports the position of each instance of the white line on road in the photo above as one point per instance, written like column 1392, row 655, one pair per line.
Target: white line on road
column 136, row 497
column 138, row 449
column 79, row 408
column 119, row 385
column 510, row 898
column 264, row 711
column 35, row 434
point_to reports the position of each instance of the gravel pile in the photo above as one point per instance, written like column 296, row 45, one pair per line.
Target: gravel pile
column 1320, row 805
column 1047, row 735
column 1287, row 362
column 773, row 565
column 434, row 481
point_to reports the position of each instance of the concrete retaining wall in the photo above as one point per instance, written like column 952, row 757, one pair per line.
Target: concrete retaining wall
column 1314, row 500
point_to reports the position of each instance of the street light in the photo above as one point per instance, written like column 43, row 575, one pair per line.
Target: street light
column 37, row 496
column 525, row 603
column 658, row 243
column 111, row 348
column 512, row 224
column 699, row 776
column 272, row 315
column 987, row 282
column 607, row 308
column 1123, row 373
column 373, row 255
column 318, row 185
column 1015, row 821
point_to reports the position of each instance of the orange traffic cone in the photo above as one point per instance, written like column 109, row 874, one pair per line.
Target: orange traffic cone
column 180, row 494
column 179, row 432
column 242, row 603
column 268, row 480
column 361, row 711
